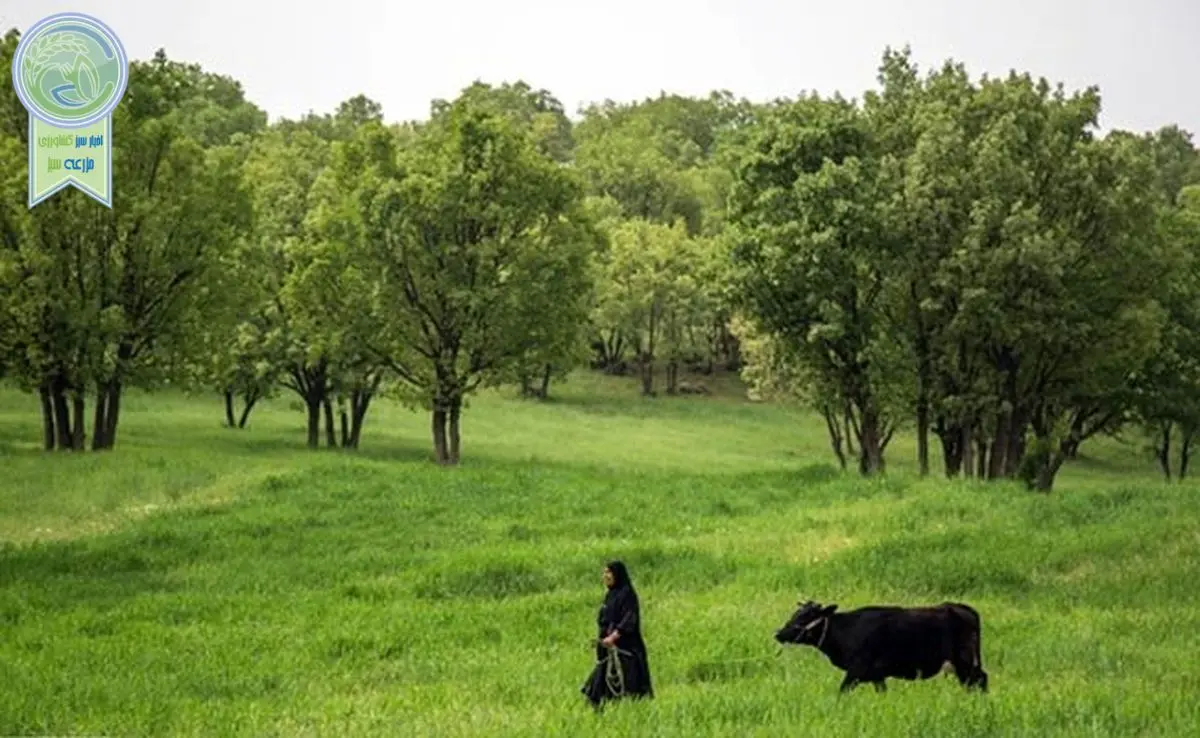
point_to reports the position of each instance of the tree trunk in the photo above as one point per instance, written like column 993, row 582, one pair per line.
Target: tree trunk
column 48, row 434
column 923, row 436
column 616, row 351
column 62, row 417
column 310, row 382
column 981, row 456
column 1015, row 451
column 999, row 445
column 544, row 391
column 835, row 434
column 330, row 432
column 870, row 443
column 526, row 385
column 966, row 448
column 112, row 391
column 100, row 416
column 848, row 434
column 612, row 347
column 229, row 420
column 647, row 366
column 359, row 402
column 1163, row 450
column 314, row 421
column 344, row 422
column 455, row 437
column 672, row 376
column 1049, row 458
column 250, row 398
column 112, row 414
column 951, row 437
column 1185, row 451
column 79, row 408
column 1048, row 469
column 440, row 450
column 924, row 380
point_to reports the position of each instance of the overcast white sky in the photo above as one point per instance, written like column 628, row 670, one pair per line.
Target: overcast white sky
column 303, row 55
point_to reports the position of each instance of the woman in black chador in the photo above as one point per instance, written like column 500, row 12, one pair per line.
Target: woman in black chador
column 621, row 666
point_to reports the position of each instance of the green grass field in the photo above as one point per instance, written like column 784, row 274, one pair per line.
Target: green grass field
column 208, row 582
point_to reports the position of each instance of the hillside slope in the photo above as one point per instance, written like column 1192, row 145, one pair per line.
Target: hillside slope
column 201, row 581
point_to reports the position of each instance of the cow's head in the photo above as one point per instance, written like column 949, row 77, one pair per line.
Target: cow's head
column 807, row 625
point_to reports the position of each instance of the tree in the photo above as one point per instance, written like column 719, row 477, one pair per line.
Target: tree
column 560, row 344
column 1176, row 161
column 457, row 233
column 814, row 239
column 14, row 222
column 110, row 298
column 557, row 341
column 662, row 160
column 235, row 358
column 327, row 293
column 1055, row 273
column 648, row 296
column 774, row 373
column 1026, row 264
column 536, row 111
column 337, row 126
column 1167, row 387
column 283, row 168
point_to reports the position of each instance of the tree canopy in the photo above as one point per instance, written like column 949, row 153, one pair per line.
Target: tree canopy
column 968, row 259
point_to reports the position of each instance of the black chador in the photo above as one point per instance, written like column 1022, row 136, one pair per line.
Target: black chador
column 622, row 669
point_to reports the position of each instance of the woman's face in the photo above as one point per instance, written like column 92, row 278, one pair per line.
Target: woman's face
column 608, row 577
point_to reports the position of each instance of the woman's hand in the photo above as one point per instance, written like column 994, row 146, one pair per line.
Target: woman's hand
column 611, row 640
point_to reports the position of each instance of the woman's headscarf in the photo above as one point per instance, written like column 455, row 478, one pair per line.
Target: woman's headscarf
column 620, row 575
column 620, row 597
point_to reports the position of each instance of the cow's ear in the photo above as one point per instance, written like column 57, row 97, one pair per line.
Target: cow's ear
column 828, row 610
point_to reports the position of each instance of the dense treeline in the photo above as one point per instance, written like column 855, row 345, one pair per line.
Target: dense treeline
column 965, row 258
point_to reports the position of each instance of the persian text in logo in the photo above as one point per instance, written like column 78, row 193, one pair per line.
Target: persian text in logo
column 70, row 72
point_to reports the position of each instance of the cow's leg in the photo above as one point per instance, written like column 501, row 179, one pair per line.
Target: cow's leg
column 880, row 685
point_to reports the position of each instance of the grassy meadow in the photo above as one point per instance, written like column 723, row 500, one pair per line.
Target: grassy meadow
column 200, row 581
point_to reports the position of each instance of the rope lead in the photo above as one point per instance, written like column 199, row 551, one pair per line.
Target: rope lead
column 614, row 675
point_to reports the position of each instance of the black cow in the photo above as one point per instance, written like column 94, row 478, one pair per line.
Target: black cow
column 871, row 644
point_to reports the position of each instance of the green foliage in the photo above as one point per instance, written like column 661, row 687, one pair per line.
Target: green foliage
column 1167, row 387
column 107, row 298
column 815, row 240
column 655, row 295
column 965, row 253
column 535, row 111
column 466, row 237
column 967, row 256
column 659, row 158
